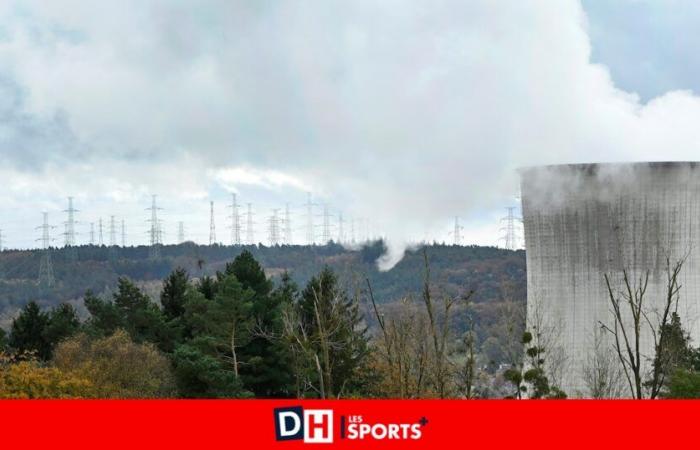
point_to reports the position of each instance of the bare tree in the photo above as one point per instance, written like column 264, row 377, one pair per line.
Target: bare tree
column 631, row 317
column 466, row 373
column 404, row 350
column 602, row 374
column 311, row 352
column 547, row 335
column 440, row 332
column 414, row 346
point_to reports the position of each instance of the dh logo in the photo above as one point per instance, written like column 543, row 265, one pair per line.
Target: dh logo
column 314, row 426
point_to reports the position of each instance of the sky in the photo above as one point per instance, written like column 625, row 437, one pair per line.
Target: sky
column 400, row 115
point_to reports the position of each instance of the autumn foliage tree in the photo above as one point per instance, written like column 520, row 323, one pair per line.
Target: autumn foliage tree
column 116, row 366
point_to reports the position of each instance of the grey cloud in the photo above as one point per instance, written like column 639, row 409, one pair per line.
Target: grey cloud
column 407, row 112
column 28, row 141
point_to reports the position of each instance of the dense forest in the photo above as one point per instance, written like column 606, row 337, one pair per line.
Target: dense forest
column 495, row 275
column 241, row 332
column 244, row 331
column 90, row 283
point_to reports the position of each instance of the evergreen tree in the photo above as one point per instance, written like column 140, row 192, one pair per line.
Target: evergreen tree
column 133, row 311
column 63, row 323
column 266, row 371
column 172, row 298
column 143, row 320
column 335, row 325
column 201, row 375
column 105, row 317
column 674, row 351
column 27, row 333
column 534, row 375
column 209, row 364
column 207, row 286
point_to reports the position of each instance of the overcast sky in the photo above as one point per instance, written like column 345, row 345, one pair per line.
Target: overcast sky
column 406, row 112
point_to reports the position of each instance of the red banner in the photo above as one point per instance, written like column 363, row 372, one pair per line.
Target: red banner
column 200, row 424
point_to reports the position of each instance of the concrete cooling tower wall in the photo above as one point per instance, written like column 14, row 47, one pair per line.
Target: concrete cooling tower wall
column 584, row 221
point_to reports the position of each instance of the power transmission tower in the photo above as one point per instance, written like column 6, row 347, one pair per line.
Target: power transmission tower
column 509, row 237
column 287, row 226
column 341, row 232
column 180, row 232
column 123, row 234
column 45, row 268
column 274, row 228
column 326, row 231
column 309, row 220
column 101, row 240
column 69, row 233
column 457, row 233
column 212, row 226
column 235, row 222
column 1, row 247
column 352, row 230
column 112, row 232
column 155, row 232
column 249, row 232
column 92, row 233
column 112, row 239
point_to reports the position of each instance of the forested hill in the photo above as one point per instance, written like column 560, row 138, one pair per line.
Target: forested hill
column 454, row 269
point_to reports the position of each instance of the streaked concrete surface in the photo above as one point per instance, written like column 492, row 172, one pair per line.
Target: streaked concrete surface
column 582, row 221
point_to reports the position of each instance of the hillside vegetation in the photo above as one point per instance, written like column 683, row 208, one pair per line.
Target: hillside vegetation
column 486, row 270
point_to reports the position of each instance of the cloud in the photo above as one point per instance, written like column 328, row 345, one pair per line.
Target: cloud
column 398, row 111
column 231, row 177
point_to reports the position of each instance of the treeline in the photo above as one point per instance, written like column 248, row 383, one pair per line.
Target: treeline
column 98, row 268
column 237, row 334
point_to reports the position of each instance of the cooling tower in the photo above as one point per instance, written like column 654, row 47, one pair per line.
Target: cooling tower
column 584, row 221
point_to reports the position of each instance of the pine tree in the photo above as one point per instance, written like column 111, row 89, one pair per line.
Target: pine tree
column 209, row 364
column 172, row 298
column 133, row 311
column 63, row 323
column 105, row 317
column 27, row 335
column 339, row 337
column 267, row 371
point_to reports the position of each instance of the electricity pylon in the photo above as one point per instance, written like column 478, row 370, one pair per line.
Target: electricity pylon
column 46, row 277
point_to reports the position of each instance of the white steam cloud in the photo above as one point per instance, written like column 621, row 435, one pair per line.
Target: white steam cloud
column 405, row 111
